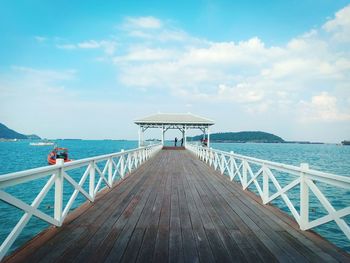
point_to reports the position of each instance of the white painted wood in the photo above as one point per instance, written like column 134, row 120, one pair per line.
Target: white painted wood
column 305, row 178
column 57, row 174
column 92, row 180
column 304, row 197
column 265, row 196
column 59, row 191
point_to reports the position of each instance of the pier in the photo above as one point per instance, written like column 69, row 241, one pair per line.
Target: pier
column 190, row 203
column 174, row 208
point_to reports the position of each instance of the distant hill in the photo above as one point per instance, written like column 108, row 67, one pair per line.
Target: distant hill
column 7, row 133
column 244, row 136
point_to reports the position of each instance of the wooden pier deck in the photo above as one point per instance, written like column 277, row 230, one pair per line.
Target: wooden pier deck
column 176, row 209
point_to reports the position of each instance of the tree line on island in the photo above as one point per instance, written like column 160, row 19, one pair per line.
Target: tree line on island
column 242, row 137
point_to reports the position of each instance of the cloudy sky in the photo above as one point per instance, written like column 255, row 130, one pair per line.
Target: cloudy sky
column 87, row 69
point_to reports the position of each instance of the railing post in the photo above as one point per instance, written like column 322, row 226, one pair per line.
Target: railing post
column 110, row 171
column 59, row 192
column 231, row 170
column 304, row 198
column 265, row 196
column 244, row 174
column 92, row 180
column 222, row 166
column 129, row 162
column 122, row 164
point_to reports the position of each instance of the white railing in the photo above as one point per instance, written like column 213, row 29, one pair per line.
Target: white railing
column 115, row 166
column 239, row 168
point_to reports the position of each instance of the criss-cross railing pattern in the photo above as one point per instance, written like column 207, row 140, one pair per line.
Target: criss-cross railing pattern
column 102, row 172
column 239, row 168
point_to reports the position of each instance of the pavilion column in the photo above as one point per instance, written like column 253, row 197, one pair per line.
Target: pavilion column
column 163, row 135
column 203, row 137
column 140, row 136
column 208, row 131
column 185, row 135
column 142, row 139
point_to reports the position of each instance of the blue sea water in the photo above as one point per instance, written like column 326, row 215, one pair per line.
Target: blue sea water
column 18, row 156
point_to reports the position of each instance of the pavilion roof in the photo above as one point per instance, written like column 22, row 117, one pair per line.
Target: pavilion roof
column 175, row 118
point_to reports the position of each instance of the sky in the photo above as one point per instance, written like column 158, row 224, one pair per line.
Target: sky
column 88, row 69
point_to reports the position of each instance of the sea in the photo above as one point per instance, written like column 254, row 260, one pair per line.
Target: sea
column 331, row 158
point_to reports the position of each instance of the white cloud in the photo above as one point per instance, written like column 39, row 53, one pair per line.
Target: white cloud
column 146, row 22
column 306, row 79
column 339, row 27
column 107, row 46
column 40, row 39
column 246, row 72
column 146, row 54
column 91, row 44
column 323, row 107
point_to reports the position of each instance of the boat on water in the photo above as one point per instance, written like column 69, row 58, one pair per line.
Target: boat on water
column 58, row 153
column 41, row 143
column 345, row 142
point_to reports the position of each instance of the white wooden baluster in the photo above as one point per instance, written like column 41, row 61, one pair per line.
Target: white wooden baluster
column 59, row 192
column 265, row 196
column 232, row 167
column 245, row 174
column 122, row 164
column 92, row 180
column 110, row 172
column 304, row 198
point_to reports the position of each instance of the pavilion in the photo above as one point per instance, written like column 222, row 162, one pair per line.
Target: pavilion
column 182, row 122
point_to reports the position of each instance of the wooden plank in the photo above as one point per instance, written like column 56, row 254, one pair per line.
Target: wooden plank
column 221, row 198
column 134, row 244
column 77, row 228
column 161, row 251
column 237, row 251
column 177, row 209
column 286, row 234
column 202, row 243
column 264, row 230
column 100, row 227
column 175, row 239
column 128, row 221
column 255, row 206
column 219, row 249
column 226, row 185
column 189, row 246
column 318, row 245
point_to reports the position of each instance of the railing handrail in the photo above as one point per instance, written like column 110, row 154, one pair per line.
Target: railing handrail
column 28, row 174
column 237, row 165
column 292, row 168
column 114, row 165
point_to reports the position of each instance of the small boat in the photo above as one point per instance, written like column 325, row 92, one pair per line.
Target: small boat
column 58, row 153
column 44, row 143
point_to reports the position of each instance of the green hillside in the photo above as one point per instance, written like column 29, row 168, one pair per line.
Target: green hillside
column 244, row 136
column 7, row 133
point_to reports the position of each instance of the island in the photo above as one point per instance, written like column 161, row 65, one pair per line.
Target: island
column 9, row 134
column 241, row 137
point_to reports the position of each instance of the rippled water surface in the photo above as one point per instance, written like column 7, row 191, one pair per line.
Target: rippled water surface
column 17, row 156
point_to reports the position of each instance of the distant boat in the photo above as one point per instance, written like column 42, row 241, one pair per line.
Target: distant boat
column 56, row 153
column 345, row 142
column 43, row 143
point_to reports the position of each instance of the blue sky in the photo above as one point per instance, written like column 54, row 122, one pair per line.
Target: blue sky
column 86, row 69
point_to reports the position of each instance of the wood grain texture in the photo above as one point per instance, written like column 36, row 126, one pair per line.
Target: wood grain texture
column 174, row 208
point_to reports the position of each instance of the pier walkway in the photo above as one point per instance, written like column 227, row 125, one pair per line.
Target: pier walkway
column 174, row 208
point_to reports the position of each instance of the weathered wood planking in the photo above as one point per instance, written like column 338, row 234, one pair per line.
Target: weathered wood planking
column 174, row 208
